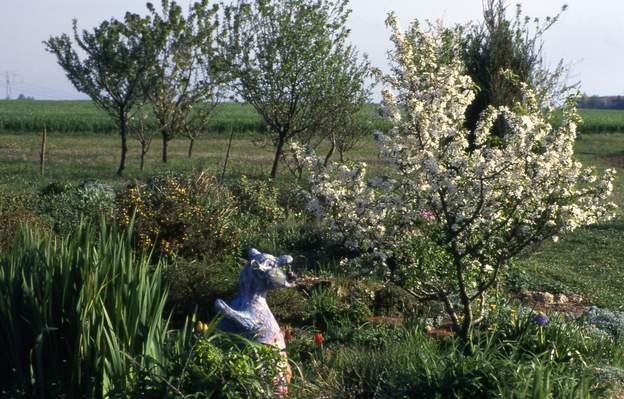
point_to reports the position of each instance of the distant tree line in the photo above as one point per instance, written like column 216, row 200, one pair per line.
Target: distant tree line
column 601, row 102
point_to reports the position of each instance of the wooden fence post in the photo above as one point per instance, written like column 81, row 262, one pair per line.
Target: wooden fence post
column 44, row 144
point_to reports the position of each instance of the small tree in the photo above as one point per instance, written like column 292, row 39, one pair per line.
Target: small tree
column 346, row 94
column 142, row 133
column 450, row 218
column 112, row 69
column 278, row 52
column 187, row 73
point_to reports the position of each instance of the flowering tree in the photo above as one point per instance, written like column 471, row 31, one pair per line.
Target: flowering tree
column 453, row 215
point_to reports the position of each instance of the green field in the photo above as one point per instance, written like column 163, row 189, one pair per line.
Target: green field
column 85, row 117
column 602, row 120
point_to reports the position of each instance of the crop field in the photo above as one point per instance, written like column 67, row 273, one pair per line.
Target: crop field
column 84, row 117
column 602, row 120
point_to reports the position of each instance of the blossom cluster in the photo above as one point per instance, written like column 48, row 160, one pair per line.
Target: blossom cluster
column 487, row 199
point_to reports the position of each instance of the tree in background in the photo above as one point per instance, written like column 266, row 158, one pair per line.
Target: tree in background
column 278, row 52
column 142, row 131
column 112, row 70
column 346, row 95
column 183, row 84
column 514, row 46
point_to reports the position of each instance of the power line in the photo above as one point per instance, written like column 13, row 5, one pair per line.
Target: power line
column 9, row 80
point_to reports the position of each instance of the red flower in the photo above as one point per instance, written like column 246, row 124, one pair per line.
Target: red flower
column 318, row 339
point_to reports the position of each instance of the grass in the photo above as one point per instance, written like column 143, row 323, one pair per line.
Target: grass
column 74, row 158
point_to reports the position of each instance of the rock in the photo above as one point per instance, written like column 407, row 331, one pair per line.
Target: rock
column 575, row 298
column 544, row 297
column 561, row 299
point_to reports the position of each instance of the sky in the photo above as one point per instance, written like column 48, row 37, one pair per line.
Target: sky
column 589, row 36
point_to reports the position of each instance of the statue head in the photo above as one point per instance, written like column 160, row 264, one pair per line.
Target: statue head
column 265, row 272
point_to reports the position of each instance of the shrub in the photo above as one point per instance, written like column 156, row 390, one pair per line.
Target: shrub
column 230, row 368
column 17, row 210
column 66, row 205
column 258, row 198
column 192, row 216
column 204, row 363
column 195, row 285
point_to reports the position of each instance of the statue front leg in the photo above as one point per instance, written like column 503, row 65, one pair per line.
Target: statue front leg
column 246, row 323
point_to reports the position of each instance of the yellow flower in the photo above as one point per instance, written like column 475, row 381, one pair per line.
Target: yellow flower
column 492, row 306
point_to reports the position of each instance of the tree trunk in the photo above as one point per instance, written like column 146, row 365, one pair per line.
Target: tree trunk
column 331, row 150
column 190, row 150
column 278, row 154
column 143, row 152
column 124, row 143
column 165, row 144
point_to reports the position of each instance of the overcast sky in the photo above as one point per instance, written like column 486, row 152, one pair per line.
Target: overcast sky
column 590, row 36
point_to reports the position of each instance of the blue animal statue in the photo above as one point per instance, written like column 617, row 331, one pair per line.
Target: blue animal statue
column 249, row 315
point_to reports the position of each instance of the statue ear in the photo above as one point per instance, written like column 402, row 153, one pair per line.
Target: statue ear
column 284, row 260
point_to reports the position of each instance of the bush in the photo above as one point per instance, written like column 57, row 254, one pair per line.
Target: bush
column 66, row 205
column 191, row 216
column 17, row 210
column 204, row 363
column 195, row 285
column 230, row 368
column 258, row 198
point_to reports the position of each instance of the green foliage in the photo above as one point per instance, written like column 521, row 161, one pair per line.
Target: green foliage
column 17, row 210
column 188, row 215
column 501, row 45
column 331, row 310
column 223, row 368
column 195, row 285
column 282, row 55
column 66, row 205
column 258, row 198
column 112, row 70
column 559, row 360
column 187, row 71
column 72, row 309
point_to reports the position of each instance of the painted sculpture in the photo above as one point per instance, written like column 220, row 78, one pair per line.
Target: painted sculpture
column 249, row 315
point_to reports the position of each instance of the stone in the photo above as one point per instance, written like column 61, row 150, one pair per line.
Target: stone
column 249, row 314
column 544, row 297
column 561, row 299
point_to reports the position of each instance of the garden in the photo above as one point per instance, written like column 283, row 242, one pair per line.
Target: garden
column 461, row 239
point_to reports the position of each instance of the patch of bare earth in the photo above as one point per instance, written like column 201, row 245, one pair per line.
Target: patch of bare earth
column 616, row 159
